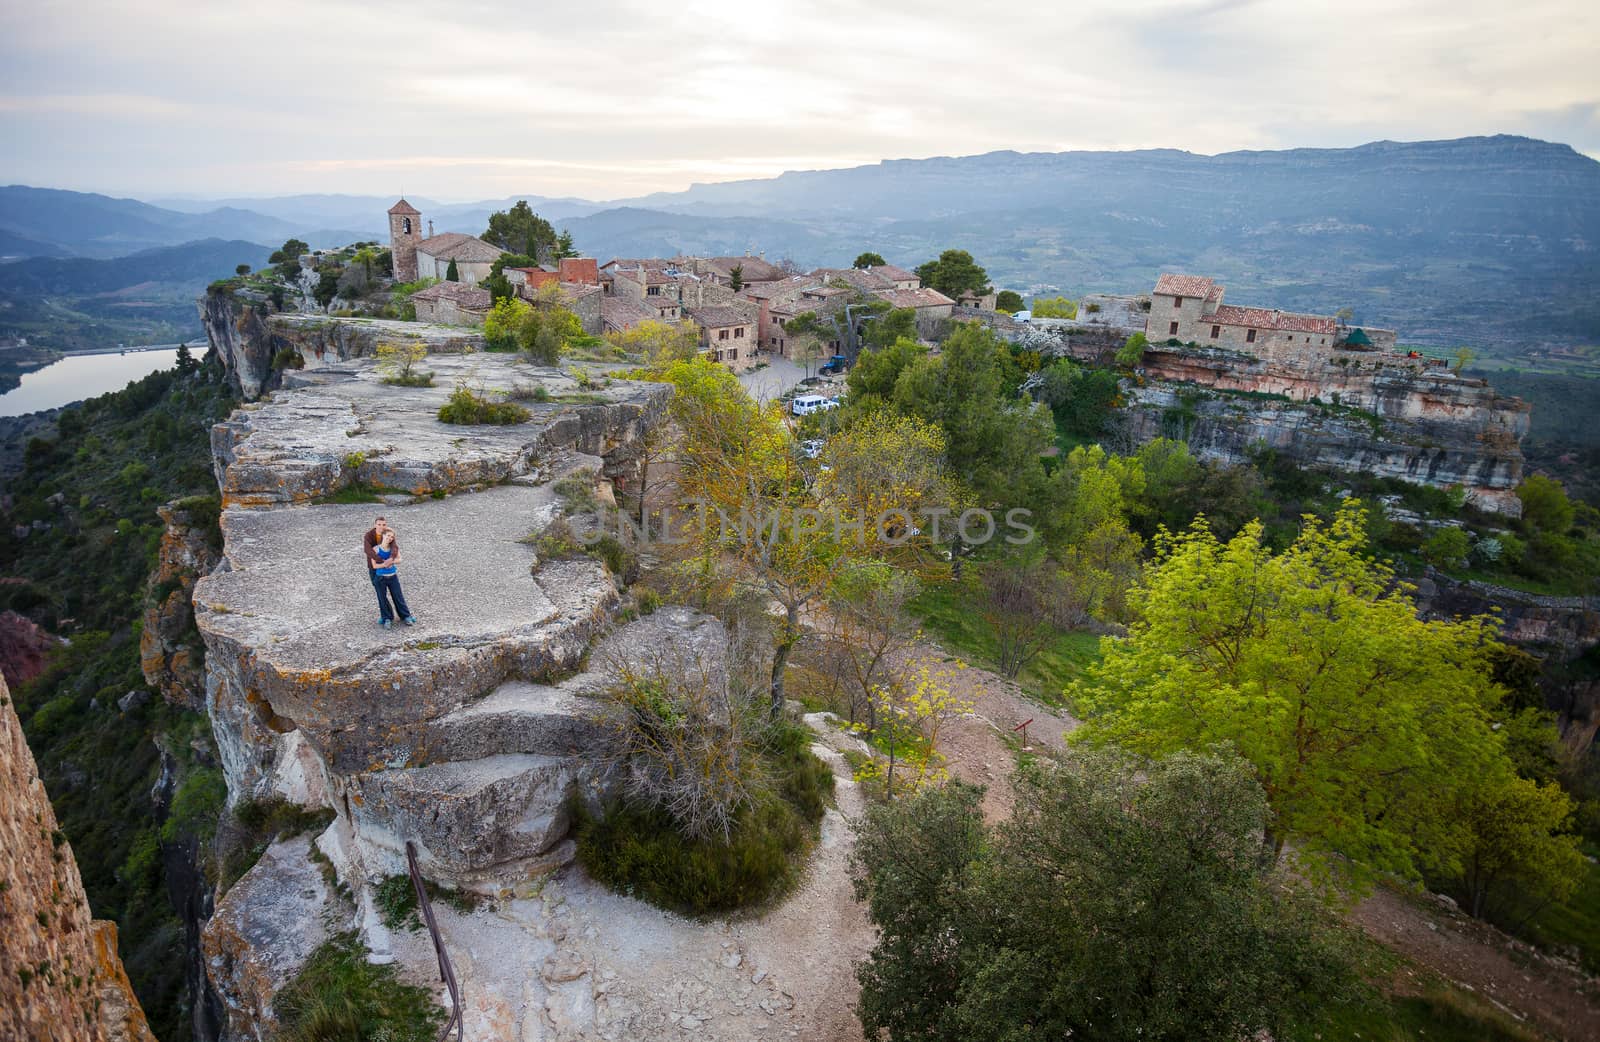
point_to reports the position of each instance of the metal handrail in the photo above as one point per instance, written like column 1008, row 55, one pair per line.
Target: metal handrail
column 447, row 973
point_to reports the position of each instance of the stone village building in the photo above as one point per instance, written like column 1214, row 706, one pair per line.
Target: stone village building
column 1189, row 308
column 416, row 257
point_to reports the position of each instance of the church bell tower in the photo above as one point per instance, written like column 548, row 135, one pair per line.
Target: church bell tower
column 405, row 231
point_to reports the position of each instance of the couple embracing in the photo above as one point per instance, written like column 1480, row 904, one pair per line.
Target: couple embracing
column 382, row 551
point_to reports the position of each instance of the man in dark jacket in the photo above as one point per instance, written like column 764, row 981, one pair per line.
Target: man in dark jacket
column 381, row 561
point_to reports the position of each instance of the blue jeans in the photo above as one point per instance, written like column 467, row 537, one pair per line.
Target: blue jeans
column 387, row 587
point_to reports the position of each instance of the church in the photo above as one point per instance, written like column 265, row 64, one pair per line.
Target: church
column 416, row 257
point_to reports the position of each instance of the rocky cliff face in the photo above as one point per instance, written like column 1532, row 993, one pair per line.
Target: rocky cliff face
column 60, row 976
column 1371, row 412
column 170, row 652
column 465, row 734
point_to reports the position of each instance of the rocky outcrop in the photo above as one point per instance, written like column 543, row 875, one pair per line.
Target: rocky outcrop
column 1564, row 624
column 345, row 426
column 248, row 334
column 60, row 976
column 466, row 733
column 1354, row 411
column 24, row 644
column 263, row 931
column 171, row 654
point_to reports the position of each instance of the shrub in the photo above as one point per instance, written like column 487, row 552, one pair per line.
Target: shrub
column 641, row 852
column 288, row 358
column 521, row 392
column 466, row 407
column 338, row 995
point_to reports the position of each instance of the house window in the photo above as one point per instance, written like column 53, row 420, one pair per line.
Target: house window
column 1177, row 302
column 405, row 223
column 1216, row 331
column 653, row 291
column 722, row 334
column 738, row 333
column 1250, row 337
column 1172, row 328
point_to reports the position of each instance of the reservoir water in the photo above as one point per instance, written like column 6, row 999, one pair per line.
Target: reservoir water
column 77, row 377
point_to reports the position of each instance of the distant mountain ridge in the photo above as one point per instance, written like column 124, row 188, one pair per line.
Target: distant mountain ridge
column 1489, row 241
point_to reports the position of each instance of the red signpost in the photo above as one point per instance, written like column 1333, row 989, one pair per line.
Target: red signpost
column 1023, row 727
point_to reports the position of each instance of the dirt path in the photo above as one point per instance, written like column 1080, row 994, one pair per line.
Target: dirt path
column 1519, row 979
column 979, row 747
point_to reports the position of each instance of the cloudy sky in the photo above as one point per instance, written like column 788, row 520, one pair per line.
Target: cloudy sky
column 612, row 98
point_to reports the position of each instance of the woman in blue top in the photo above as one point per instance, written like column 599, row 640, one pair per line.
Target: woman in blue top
column 387, row 583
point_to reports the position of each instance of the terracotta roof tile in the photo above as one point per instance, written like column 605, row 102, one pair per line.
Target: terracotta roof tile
column 1264, row 318
column 715, row 317
column 925, row 297
column 458, row 293
column 458, row 247
column 1184, row 285
column 403, row 207
column 890, row 271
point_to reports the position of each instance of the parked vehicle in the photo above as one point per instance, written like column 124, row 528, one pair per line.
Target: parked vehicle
column 806, row 404
column 836, row 364
column 811, row 447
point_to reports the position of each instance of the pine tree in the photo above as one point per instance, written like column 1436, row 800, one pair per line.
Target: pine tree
column 451, row 274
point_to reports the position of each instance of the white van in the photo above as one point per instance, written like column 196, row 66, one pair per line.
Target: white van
column 806, row 404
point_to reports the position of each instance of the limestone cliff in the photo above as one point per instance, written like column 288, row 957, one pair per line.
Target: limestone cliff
column 170, row 652
column 60, row 976
column 1364, row 411
column 248, row 334
column 465, row 734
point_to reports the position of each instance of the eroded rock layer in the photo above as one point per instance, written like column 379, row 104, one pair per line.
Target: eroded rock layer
column 1370, row 412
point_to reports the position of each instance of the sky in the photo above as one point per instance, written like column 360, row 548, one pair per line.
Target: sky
column 610, row 99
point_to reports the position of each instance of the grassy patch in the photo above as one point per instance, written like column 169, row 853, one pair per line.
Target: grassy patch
column 360, row 492
column 638, row 851
column 339, row 995
column 1440, row 1013
column 396, row 899
column 948, row 613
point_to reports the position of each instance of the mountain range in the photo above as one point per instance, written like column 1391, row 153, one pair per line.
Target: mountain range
column 1488, row 241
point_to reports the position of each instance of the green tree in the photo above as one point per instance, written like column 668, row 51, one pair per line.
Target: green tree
column 1463, row 358
column 1545, row 505
column 1514, row 851
column 889, row 326
column 564, row 246
column 868, row 260
column 994, row 437
column 521, row 231
column 736, row 278
column 242, row 269
column 1131, row 353
column 1356, row 715
column 1009, row 301
column 1054, row 307
column 871, row 380
column 451, row 273
column 187, row 363
column 1447, row 548
column 1094, row 913
column 954, row 273
column 658, row 342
